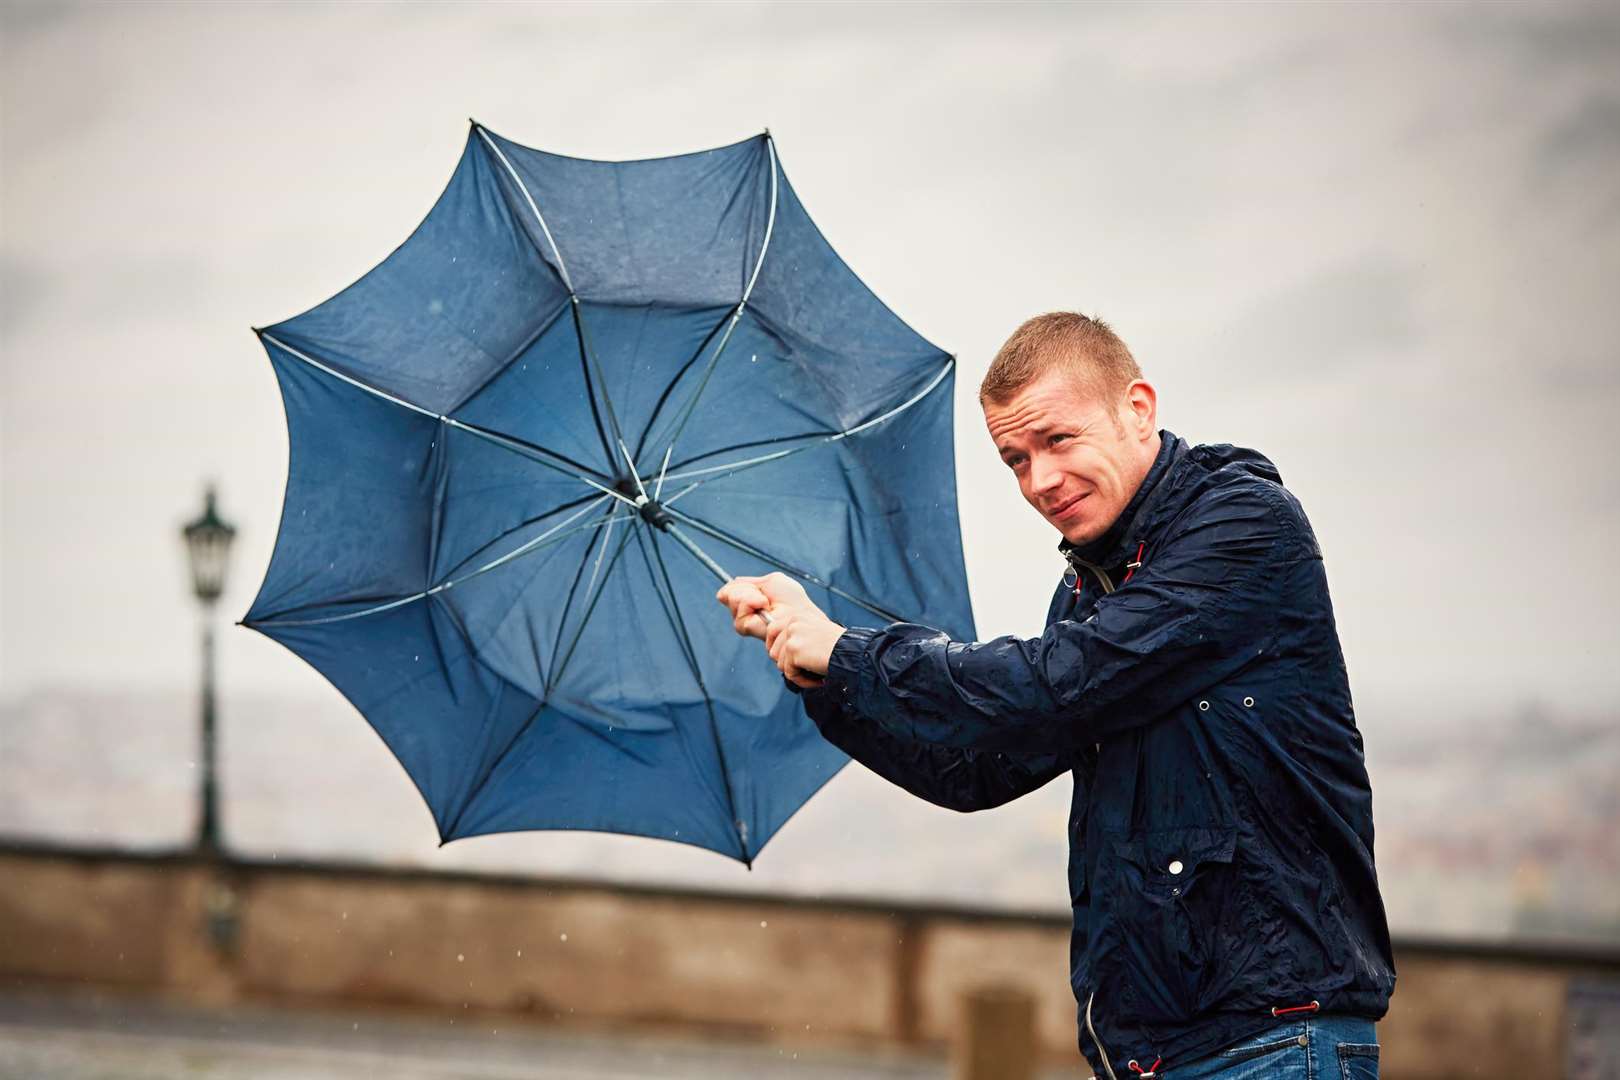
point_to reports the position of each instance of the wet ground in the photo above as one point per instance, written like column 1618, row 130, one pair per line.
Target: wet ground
column 83, row 1037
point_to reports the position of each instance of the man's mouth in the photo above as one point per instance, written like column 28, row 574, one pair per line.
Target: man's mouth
column 1064, row 509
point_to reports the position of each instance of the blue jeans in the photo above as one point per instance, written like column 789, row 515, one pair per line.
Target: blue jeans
column 1315, row 1048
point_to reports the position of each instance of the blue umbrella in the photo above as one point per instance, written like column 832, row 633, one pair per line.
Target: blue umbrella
column 524, row 447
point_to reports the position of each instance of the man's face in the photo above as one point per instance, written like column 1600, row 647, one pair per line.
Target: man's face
column 1077, row 457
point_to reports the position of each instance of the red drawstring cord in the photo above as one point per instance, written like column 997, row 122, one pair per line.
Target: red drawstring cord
column 1132, row 567
column 1312, row 1007
column 1152, row 1070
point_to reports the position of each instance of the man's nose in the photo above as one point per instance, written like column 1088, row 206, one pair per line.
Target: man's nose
column 1043, row 476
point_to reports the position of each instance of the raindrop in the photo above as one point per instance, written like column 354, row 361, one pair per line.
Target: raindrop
column 763, row 924
column 562, row 937
column 520, row 952
column 460, row 958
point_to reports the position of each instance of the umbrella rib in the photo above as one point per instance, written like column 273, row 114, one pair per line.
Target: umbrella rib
column 585, row 370
column 736, row 316
column 538, row 454
column 492, row 541
column 545, row 539
column 532, row 452
column 771, row 441
column 663, row 398
column 573, row 297
column 562, row 619
column 781, row 564
column 562, row 270
column 708, row 702
column 731, row 468
column 584, row 620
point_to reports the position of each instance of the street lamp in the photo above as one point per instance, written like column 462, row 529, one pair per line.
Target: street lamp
column 208, row 542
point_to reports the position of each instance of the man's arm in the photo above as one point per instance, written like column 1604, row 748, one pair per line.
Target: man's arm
column 1202, row 608
column 948, row 776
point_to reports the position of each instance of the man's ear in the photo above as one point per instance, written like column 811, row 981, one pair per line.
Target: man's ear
column 1143, row 402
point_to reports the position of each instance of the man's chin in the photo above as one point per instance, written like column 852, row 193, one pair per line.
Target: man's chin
column 1081, row 535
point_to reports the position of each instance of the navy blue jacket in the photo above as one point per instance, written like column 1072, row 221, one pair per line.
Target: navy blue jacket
column 1221, row 836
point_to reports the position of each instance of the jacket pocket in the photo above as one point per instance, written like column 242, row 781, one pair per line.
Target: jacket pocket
column 1174, row 908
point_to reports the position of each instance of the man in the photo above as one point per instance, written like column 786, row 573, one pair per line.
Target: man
column 1227, row 920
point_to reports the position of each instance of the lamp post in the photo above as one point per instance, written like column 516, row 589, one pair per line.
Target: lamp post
column 208, row 542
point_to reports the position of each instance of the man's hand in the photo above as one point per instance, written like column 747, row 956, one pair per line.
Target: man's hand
column 798, row 636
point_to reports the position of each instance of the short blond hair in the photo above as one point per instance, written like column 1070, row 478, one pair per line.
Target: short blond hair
column 1087, row 347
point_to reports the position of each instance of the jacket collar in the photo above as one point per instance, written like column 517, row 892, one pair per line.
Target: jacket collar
column 1118, row 544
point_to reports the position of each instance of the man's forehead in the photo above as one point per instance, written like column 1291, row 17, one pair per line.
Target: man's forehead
column 1046, row 403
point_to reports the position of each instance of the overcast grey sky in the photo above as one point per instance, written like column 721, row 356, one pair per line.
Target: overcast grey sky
column 1380, row 244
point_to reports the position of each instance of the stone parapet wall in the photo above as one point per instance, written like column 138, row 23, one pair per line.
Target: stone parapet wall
column 785, row 970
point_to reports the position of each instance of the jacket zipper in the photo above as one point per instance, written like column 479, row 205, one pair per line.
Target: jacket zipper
column 1108, row 1066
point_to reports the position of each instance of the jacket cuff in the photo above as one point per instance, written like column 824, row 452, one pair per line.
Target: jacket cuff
column 848, row 659
column 825, row 703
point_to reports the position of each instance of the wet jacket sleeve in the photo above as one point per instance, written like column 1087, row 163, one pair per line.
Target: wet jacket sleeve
column 1200, row 609
column 948, row 776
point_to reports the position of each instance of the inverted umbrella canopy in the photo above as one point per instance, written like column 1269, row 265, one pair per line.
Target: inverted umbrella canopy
column 523, row 448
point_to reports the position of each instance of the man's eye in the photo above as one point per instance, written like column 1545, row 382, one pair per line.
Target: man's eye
column 1060, row 437
column 1015, row 461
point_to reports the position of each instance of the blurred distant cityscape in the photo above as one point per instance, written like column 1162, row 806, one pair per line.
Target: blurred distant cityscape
column 1494, row 828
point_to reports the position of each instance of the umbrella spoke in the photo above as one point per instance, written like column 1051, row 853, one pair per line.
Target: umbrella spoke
column 562, row 270
column 783, row 565
column 771, row 441
column 718, row 472
column 590, row 385
column 551, row 536
column 550, row 458
column 521, row 525
column 587, row 355
column 585, row 618
column 690, row 653
column 736, row 316
column 669, row 387
column 568, row 605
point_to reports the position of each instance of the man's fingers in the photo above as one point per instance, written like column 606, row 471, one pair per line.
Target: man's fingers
column 782, row 589
column 746, row 601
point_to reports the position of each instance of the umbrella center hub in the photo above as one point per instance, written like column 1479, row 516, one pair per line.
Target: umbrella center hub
column 652, row 513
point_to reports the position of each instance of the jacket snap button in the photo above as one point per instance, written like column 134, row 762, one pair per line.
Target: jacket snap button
column 1304, row 1040
column 1203, row 706
column 1248, row 703
column 1175, row 866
